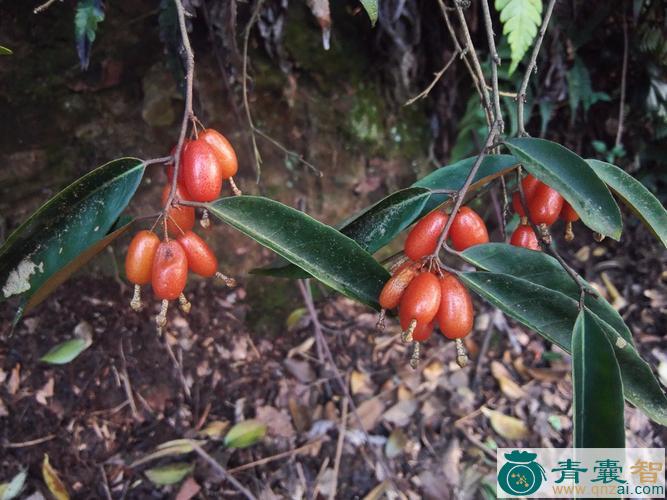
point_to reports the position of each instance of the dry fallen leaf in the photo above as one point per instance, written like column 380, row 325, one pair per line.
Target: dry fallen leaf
column 396, row 443
column 507, row 385
column 360, row 383
column 278, row 423
column 506, row 426
column 189, row 489
column 53, row 482
column 369, row 412
column 215, row 429
column 400, row 413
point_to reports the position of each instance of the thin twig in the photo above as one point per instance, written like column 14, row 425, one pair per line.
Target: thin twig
column 32, row 442
column 188, row 114
column 43, row 7
column 466, row 185
column 470, row 47
column 437, row 77
column 246, row 38
column 178, row 366
column 288, row 152
column 126, row 383
column 624, row 75
column 221, row 470
column 495, row 62
column 521, row 98
column 339, row 446
column 273, row 458
column 452, row 33
column 105, row 483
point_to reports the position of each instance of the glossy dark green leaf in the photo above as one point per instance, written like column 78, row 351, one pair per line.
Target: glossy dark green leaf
column 65, row 226
column 453, row 176
column 320, row 250
column 573, row 178
column 371, row 7
column 635, row 195
column 598, row 405
column 382, row 222
column 541, row 269
column 552, row 315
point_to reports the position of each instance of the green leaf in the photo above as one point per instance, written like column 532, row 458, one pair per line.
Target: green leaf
column 574, row 179
column 320, row 250
column 89, row 13
column 65, row 226
column 169, row 474
column 598, row 405
column 580, row 89
column 66, row 351
column 12, row 489
column 382, row 222
column 371, row 7
column 635, row 195
column 552, row 315
column 521, row 20
column 541, row 269
column 376, row 226
column 245, row 433
column 5, row 51
column 453, row 176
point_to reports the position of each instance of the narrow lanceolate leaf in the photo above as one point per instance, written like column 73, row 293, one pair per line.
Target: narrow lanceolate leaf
column 53, row 481
column 371, row 7
column 635, row 195
column 380, row 223
column 541, row 269
column 598, row 390
column 66, row 226
column 66, row 351
column 573, row 178
column 318, row 249
column 169, row 474
column 521, row 20
column 552, row 314
column 5, row 51
column 453, row 176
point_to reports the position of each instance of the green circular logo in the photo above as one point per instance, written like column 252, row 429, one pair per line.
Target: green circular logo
column 521, row 475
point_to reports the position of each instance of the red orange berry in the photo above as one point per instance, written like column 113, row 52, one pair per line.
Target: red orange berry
column 202, row 172
column 525, row 237
column 201, row 259
column 170, row 270
column 545, row 205
column 455, row 314
column 468, row 229
column 223, row 151
column 179, row 218
column 420, row 300
column 423, row 237
column 393, row 289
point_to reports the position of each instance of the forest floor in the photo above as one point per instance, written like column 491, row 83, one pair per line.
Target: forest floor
column 432, row 431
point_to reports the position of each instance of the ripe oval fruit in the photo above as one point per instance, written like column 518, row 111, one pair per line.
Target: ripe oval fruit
column 170, row 166
column 223, row 151
column 422, row 331
column 170, row 270
column 202, row 173
column 181, row 218
column 423, row 238
column 545, row 205
column 393, row 289
column 525, row 237
column 140, row 257
column 455, row 314
column 567, row 213
column 468, row 229
column 201, row 259
column 420, row 300
column 529, row 184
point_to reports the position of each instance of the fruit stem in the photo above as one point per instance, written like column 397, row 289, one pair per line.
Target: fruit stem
column 184, row 304
column 230, row 282
column 461, row 353
column 569, row 233
column 161, row 318
column 135, row 303
column 380, row 324
column 205, row 221
column 416, row 355
column 235, row 189
column 406, row 336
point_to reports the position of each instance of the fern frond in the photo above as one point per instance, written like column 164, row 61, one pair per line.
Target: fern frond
column 521, row 20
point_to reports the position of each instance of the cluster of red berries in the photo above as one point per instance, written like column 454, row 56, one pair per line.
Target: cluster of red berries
column 425, row 296
column 545, row 207
column 205, row 163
